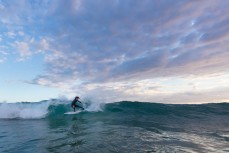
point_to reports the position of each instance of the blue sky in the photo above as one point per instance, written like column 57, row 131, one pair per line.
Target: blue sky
column 170, row 51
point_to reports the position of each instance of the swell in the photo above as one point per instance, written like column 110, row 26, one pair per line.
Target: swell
column 169, row 109
column 30, row 110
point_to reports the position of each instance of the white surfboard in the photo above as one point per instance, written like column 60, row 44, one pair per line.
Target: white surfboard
column 71, row 113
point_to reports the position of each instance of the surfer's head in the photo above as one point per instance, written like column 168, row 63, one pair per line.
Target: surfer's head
column 77, row 97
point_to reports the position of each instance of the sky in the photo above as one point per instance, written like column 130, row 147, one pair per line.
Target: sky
column 167, row 51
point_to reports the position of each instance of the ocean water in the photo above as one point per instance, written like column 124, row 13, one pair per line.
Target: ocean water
column 122, row 127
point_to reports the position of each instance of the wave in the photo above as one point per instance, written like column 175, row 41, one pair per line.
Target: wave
column 38, row 110
column 52, row 108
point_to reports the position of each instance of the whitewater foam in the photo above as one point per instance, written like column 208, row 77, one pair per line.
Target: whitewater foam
column 23, row 110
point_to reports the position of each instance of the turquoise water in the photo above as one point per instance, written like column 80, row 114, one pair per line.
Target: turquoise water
column 116, row 127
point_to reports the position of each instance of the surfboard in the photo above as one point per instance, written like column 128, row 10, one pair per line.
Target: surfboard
column 72, row 113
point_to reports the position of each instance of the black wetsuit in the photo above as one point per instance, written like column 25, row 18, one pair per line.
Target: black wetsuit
column 74, row 104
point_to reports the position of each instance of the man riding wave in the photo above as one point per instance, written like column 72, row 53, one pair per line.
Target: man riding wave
column 74, row 103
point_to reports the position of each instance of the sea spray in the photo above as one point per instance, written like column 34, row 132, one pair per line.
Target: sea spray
column 93, row 105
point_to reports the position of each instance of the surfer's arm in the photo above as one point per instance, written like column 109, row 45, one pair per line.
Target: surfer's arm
column 80, row 106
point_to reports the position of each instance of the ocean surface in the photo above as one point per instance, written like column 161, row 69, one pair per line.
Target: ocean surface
column 121, row 127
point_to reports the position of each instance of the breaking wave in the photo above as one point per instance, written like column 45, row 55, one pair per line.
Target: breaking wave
column 51, row 108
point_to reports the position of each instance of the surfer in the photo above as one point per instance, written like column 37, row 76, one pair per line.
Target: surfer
column 74, row 103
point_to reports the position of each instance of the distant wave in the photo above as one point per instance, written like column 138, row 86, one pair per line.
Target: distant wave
column 51, row 108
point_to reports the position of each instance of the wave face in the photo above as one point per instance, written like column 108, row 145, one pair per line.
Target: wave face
column 181, row 110
column 114, row 127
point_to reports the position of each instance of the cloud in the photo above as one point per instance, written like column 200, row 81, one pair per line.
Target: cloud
column 118, row 45
column 100, row 42
column 3, row 53
column 208, row 96
column 23, row 49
